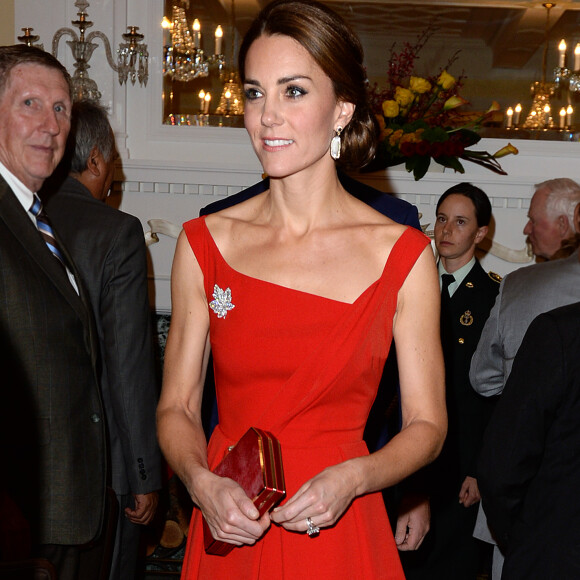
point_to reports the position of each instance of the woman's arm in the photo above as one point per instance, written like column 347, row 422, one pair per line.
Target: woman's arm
column 231, row 515
column 179, row 426
column 325, row 497
column 422, row 379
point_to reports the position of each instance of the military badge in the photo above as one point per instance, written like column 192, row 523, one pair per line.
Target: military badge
column 466, row 319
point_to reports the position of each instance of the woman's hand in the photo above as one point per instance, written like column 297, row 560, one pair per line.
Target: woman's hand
column 323, row 499
column 228, row 511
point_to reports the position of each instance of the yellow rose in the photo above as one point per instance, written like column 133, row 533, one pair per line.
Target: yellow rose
column 446, row 81
column 403, row 96
column 454, row 102
column 419, row 85
column 509, row 149
column 390, row 109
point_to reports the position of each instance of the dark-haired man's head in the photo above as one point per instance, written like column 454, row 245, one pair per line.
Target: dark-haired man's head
column 91, row 152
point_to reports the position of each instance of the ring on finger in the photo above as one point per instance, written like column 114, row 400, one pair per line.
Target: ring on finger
column 312, row 530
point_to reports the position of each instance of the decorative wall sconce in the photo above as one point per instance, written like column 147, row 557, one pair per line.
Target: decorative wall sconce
column 132, row 55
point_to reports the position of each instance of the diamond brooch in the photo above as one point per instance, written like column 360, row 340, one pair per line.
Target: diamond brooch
column 222, row 302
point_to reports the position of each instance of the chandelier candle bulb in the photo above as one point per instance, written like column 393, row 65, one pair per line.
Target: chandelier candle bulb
column 196, row 33
column 201, row 96
column 218, row 39
column 547, row 115
column 562, row 118
column 577, row 57
column 228, row 96
column 509, row 116
column 207, row 99
column 569, row 111
column 518, row 110
column 562, row 50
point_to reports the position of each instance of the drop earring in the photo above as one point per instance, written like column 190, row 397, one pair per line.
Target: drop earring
column 335, row 144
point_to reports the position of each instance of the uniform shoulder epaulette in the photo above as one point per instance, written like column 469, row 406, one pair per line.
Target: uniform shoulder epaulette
column 495, row 277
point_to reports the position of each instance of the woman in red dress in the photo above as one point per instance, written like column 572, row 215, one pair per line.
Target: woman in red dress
column 298, row 293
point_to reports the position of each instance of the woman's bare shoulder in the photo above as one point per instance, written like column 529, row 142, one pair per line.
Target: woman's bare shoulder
column 231, row 224
column 243, row 211
column 369, row 214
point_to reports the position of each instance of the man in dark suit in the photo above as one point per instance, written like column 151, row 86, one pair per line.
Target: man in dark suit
column 52, row 430
column 108, row 248
column 529, row 468
column 397, row 209
column 467, row 296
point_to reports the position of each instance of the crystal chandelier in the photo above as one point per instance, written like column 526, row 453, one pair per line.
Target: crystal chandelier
column 132, row 55
column 540, row 115
column 183, row 57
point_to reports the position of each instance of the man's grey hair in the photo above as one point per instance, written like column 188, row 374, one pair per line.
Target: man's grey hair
column 563, row 197
column 90, row 128
column 21, row 54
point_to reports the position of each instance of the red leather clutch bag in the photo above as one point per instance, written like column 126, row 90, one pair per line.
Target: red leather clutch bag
column 255, row 462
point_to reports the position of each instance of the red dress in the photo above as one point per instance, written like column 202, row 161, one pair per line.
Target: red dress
column 307, row 369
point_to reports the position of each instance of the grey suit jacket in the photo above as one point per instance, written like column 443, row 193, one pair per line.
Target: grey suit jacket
column 523, row 295
column 108, row 248
column 52, row 429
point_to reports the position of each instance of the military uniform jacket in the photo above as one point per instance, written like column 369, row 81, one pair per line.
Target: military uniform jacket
column 468, row 412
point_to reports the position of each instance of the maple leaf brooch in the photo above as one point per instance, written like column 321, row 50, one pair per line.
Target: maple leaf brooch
column 222, row 302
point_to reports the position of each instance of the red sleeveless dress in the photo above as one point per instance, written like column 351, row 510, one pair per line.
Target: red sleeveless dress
column 307, row 369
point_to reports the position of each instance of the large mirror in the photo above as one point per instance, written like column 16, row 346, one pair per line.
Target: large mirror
column 499, row 48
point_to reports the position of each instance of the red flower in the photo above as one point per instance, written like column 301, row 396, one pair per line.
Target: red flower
column 422, row 148
column 437, row 149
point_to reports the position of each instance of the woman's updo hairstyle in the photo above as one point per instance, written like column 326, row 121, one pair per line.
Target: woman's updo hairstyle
column 338, row 52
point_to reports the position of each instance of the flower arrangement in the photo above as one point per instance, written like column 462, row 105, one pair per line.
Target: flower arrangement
column 420, row 121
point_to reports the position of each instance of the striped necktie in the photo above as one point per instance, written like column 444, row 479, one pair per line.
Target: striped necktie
column 46, row 230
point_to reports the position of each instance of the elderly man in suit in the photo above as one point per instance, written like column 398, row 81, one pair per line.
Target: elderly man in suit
column 523, row 295
column 52, row 429
column 108, row 248
column 529, row 464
